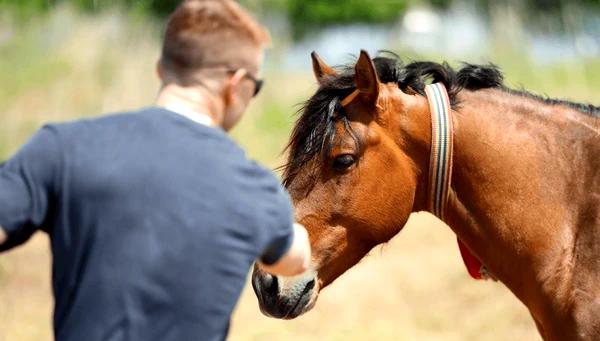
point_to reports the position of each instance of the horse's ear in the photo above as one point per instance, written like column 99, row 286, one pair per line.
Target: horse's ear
column 366, row 78
column 321, row 69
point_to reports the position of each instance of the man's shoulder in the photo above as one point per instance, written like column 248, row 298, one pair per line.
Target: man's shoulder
column 263, row 172
column 104, row 119
column 262, row 185
column 149, row 122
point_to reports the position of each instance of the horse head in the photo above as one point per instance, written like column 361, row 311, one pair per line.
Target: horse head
column 353, row 182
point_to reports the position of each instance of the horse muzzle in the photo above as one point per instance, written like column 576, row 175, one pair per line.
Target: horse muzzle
column 285, row 297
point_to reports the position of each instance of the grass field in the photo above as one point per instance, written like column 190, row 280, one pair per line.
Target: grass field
column 66, row 66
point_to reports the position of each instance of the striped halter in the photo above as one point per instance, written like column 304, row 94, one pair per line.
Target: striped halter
column 440, row 160
column 440, row 168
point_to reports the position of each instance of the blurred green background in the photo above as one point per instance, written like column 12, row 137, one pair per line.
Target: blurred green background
column 63, row 60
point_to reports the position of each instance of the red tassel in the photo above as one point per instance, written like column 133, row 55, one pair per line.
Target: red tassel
column 473, row 264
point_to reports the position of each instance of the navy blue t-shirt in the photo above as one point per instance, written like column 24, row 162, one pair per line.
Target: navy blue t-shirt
column 154, row 223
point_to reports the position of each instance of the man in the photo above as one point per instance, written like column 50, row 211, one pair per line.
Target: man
column 156, row 216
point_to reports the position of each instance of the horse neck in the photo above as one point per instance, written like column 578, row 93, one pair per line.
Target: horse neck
column 520, row 169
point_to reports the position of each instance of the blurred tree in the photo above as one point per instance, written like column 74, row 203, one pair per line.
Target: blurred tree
column 27, row 7
column 304, row 15
column 317, row 11
column 157, row 7
column 308, row 13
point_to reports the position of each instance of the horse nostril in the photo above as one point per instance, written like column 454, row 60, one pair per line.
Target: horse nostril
column 310, row 285
column 265, row 280
column 271, row 285
column 265, row 285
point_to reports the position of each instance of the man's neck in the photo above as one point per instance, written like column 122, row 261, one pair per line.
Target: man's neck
column 191, row 100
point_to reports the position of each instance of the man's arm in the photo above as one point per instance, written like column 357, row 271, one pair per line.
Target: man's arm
column 2, row 235
column 27, row 183
column 296, row 260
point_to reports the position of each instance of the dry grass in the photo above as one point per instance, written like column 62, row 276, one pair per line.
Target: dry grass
column 414, row 288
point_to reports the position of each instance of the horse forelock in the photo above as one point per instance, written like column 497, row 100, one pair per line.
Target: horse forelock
column 314, row 132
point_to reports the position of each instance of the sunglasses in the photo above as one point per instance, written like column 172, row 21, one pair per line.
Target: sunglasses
column 258, row 83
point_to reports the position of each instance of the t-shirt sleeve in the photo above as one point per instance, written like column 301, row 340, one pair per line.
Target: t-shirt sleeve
column 27, row 183
column 282, row 229
column 276, row 232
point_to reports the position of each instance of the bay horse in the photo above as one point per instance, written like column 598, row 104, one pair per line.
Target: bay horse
column 523, row 196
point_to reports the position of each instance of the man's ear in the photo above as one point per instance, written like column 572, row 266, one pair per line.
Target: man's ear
column 232, row 84
column 367, row 82
column 320, row 68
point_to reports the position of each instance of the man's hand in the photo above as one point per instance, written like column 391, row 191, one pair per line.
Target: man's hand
column 3, row 235
column 296, row 260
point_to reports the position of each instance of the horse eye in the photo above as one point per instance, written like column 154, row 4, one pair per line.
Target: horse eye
column 343, row 162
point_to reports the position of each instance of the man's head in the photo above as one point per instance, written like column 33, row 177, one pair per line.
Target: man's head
column 216, row 45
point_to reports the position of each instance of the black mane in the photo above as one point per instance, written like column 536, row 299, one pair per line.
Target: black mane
column 314, row 130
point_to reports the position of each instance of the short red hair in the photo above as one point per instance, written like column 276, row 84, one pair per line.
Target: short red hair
column 204, row 34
